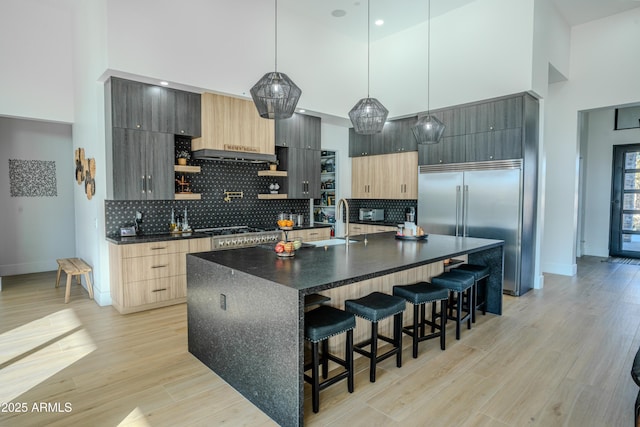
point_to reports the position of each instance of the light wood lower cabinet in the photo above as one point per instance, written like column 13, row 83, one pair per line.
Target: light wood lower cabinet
column 356, row 229
column 310, row 234
column 151, row 275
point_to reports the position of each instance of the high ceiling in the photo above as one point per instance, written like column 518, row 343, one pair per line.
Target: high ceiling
column 401, row 14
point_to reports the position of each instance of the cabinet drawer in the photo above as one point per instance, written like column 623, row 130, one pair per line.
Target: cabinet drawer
column 153, row 291
column 153, row 267
column 381, row 229
column 156, row 248
column 318, row 234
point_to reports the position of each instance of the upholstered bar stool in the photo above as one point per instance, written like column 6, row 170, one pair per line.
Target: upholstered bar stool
column 375, row 307
column 319, row 325
column 460, row 287
column 481, row 274
column 420, row 294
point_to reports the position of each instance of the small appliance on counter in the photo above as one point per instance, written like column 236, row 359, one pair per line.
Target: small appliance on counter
column 371, row 215
column 410, row 214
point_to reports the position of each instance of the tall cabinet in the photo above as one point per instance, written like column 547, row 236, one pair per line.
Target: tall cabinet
column 298, row 150
column 142, row 121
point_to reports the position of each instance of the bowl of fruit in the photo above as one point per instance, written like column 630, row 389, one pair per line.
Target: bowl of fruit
column 285, row 249
column 285, row 224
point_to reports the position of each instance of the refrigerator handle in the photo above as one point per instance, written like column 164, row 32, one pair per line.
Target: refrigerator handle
column 465, row 210
column 457, row 210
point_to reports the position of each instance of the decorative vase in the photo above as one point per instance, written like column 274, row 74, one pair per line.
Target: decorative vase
column 182, row 161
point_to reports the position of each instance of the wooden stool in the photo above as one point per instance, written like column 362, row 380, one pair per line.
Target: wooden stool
column 74, row 267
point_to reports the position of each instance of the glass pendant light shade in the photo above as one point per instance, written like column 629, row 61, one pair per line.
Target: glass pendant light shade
column 368, row 116
column 428, row 130
column 275, row 96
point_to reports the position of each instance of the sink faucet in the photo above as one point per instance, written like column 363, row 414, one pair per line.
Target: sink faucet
column 346, row 206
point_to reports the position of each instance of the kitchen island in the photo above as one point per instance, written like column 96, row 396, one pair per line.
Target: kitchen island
column 246, row 306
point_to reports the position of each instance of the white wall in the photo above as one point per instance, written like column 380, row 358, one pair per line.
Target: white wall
column 89, row 29
column 36, row 231
column 603, row 72
column 597, row 207
column 36, row 76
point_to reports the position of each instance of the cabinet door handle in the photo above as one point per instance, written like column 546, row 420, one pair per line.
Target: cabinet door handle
column 150, row 184
column 159, row 290
column 144, row 185
column 157, row 248
column 159, row 266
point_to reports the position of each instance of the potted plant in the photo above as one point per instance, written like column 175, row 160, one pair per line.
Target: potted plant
column 183, row 156
column 273, row 165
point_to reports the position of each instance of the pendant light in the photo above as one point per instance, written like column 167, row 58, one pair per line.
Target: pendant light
column 428, row 129
column 275, row 95
column 368, row 115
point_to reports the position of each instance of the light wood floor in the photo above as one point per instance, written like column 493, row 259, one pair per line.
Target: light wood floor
column 559, row 356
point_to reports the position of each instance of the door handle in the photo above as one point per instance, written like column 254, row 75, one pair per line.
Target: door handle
column 465, row 210
column 144, row 185
column 457, row 210
column 150, row 184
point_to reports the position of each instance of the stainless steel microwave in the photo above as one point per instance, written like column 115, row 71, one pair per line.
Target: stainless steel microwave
column 371, row 215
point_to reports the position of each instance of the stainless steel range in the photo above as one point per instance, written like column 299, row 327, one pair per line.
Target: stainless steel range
column 239, row 237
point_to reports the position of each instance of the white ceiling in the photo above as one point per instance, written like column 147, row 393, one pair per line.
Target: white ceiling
column 402, row 14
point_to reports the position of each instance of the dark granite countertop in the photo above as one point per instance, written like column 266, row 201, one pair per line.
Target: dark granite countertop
column 385, row 223
column 314, row 269
column 148, row 238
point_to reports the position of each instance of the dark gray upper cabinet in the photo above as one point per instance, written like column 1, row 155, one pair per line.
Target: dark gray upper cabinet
column 142, row 165
column 496, row 145
column 130, row 105
column 298, row 131
column 303, row 173
column 493, row 115
column 492, row 130
column 450, row 149
column 141, row 106
column 396, row 136
column 188, row 116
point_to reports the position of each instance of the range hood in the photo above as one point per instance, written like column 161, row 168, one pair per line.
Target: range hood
column 233, row 156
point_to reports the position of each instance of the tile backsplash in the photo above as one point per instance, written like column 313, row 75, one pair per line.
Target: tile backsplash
column 215, row 178
column 393, row 209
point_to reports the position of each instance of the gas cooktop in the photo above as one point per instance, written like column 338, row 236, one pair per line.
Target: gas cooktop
column 240, row 229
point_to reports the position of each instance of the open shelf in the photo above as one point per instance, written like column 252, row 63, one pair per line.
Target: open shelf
column 186, row 169
column 188, row 196
column 272, row 173
column 272, row 196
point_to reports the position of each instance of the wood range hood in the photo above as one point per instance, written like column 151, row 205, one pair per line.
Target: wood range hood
column 232, row 130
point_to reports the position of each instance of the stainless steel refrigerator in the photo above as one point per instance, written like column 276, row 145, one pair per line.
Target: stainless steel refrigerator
column 483, row 199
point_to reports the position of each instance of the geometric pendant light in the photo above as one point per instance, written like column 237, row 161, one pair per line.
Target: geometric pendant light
column 275, row 94
column 428, row 129
column 368, row 115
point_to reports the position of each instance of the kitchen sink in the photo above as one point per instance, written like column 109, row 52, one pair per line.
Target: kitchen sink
column 330, row 242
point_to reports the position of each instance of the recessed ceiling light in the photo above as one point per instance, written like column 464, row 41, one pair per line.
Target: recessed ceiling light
column 338, row 13
column 163, row 83
column 379, row 22
column 302, row 110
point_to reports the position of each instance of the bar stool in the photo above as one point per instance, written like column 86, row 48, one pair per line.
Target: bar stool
column 375, row 307
column 319, row 325
column 481, row 274
column 420, row 294
column 460, row 287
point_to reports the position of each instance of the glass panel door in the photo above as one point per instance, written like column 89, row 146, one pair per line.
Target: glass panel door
column 625, row 206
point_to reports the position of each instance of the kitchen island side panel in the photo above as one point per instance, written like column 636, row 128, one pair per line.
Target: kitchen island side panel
column 494, row 259
column 255, row 343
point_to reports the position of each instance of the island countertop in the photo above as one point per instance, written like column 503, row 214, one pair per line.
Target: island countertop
column 314, row 269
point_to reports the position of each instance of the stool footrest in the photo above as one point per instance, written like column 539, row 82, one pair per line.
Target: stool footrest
column 358, row 348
